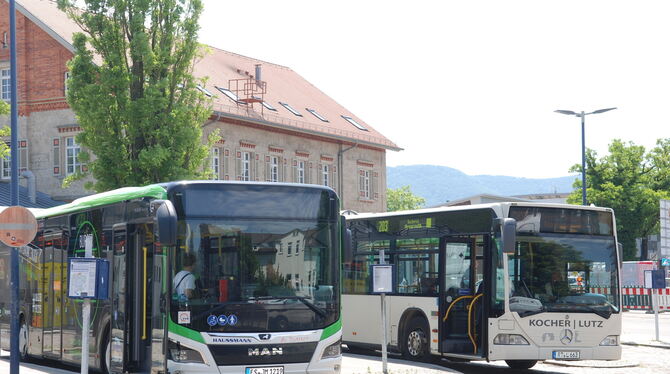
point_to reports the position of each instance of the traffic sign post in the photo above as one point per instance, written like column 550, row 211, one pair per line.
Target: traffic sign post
column 655, row 280
column 17, row 228
column 382, row 283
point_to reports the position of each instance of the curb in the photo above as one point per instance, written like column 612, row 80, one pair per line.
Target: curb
column 663, row 346
column 594, row 364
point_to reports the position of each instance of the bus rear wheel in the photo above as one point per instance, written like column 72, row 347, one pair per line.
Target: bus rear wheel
column 23, row 340
column 415, row 344
column 521, row 364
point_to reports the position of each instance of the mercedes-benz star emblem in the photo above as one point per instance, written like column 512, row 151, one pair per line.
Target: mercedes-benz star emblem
column 566, row 336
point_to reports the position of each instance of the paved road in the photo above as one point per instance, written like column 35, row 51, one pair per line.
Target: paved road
column 641, row 358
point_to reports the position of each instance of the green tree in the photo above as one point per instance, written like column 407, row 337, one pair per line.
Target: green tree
column 133, row 91
column 631, row 182
column 402, row 199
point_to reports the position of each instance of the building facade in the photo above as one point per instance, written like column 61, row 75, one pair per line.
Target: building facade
column 274, row 125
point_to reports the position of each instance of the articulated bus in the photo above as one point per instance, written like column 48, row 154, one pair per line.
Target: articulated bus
column 258, row 263
column 519, row 282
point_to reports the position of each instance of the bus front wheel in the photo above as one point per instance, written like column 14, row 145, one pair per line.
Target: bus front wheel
column 520, row 364
column 415, row 345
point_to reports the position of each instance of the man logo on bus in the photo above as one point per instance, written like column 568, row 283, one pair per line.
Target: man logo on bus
column 566, row 336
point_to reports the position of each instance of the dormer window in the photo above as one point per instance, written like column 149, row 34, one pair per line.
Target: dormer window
column 265, row 104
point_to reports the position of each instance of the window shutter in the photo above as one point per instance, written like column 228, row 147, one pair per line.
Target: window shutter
column 282, row 170
column 374, row 181
column 238, row 164
column 319, row 173
column 23, row 155
column 254, row 167
column 224, row 167
column 308, row 172
column 56, row 156
column 268, row 169
column 294, row 171
column 333, row 177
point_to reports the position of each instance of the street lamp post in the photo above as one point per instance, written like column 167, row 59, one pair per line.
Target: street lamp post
column 582, row 115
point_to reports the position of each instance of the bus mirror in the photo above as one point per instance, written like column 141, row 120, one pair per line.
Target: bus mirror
column 166, row 219
column 508, row 234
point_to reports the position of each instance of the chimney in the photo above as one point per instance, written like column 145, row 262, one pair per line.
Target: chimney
column 258, row 73
column 32, row 194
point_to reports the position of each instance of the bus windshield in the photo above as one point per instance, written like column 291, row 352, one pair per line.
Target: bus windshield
column 271, row 275
column 564, row 273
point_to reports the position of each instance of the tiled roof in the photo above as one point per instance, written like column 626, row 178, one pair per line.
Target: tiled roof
column 43, row 200
column 283, row 85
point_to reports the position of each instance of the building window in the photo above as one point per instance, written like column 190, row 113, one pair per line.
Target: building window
column 290, row 246
column 6, row 82
column 6, row 164
column 274, row 169
column 265, row 104
column 65, row 79
column 297, row 247
column 290, row 109
column 300, row 172
column 231, row 95
column 364, row 184
column 246, row 166
column 353, row 122
column 317, row 115
column 72, row 149
column 204, row 90
column 325, row 172
column 216, row 162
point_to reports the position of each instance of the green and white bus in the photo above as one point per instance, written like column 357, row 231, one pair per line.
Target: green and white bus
column 519, row 282
column 260, row 263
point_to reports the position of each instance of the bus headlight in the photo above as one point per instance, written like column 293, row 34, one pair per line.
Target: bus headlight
column 510, row 339
column 610, row 340
column 333, row 350
column 182, row 354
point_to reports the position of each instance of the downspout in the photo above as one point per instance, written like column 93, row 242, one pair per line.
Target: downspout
column 32, row 194
column 340, row 165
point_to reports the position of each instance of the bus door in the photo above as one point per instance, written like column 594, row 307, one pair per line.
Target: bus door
column 140, row 293
column 458, row 295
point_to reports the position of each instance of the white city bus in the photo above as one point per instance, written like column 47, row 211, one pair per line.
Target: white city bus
column 547, row 289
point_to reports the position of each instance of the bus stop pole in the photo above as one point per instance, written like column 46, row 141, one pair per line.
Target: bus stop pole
column 655, row 304
column 14, row 191
column 384, row 323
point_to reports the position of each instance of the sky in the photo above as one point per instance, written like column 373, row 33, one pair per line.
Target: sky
column 472, row 85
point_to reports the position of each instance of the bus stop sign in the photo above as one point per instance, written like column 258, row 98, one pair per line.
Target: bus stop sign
column 17, row 226
column 654, row 279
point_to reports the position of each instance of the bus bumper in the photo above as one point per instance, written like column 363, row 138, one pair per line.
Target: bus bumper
column 547, row 353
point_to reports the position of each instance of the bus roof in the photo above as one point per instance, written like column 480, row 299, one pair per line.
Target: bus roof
column 104, row 198
column 498, row 207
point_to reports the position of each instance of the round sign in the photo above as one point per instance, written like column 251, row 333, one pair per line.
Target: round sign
column 17, row 226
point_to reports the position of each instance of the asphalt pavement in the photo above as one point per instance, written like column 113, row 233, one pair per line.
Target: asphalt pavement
column 638, row 330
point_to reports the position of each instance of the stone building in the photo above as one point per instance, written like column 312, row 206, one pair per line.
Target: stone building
column 275, row 125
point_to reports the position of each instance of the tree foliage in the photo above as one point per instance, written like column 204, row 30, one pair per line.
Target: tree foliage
column 133, row 92
column 631, row 181
column 4, row 131
column 403, row 199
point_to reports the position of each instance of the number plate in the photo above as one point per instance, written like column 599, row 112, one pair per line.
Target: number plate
column 266, row 370
column 565, row 355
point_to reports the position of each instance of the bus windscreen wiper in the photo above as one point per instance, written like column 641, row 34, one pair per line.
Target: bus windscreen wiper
column 302, row 299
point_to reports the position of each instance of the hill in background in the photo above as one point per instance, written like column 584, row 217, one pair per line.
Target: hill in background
column 439, row 184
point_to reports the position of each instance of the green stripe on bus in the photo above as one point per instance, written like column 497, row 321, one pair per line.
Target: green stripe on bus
column 332, row 329
column 185, row 332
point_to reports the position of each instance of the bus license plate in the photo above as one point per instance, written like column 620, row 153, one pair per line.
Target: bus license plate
column 266, row 370
column 565, row 355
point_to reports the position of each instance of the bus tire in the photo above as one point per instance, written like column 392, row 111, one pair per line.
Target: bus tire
column 521, row 364
column 106, row 352
column 415, row 342
column 23, row 340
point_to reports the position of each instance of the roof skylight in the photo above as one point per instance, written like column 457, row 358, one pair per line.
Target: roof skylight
column 317, row 115
column 353, row 122
column 265, row 104
column 204, row 90
column 290, row 109
column 231, row 95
